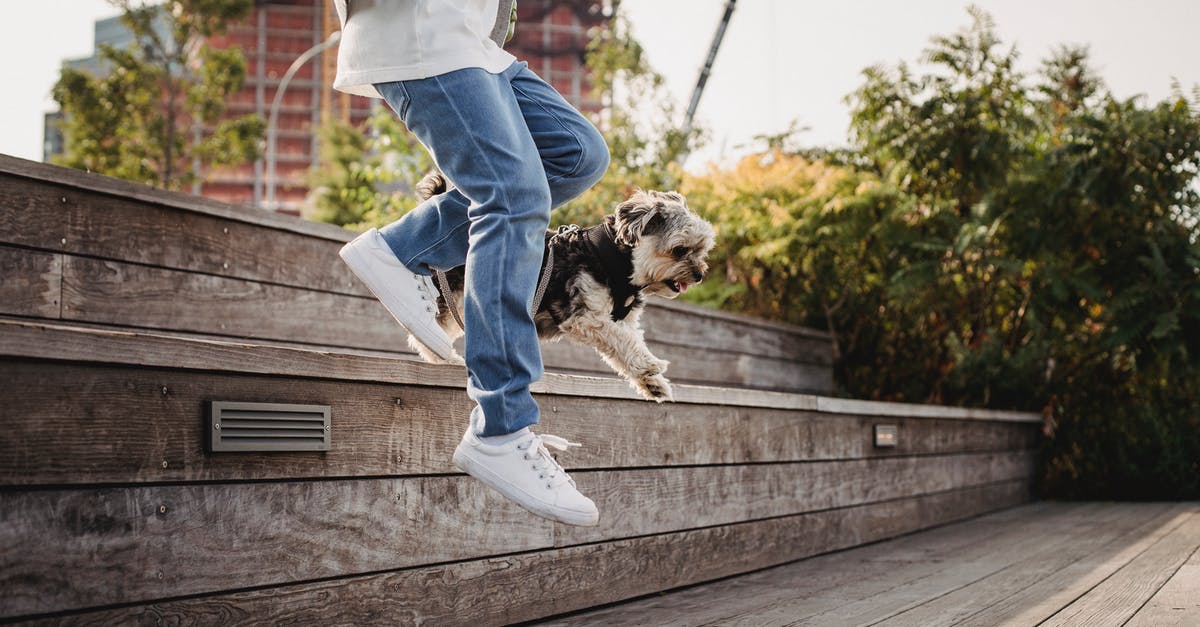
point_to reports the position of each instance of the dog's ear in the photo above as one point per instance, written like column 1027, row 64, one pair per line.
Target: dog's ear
column 634, row 216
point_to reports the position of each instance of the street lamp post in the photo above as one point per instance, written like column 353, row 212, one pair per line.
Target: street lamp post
column 332, row 40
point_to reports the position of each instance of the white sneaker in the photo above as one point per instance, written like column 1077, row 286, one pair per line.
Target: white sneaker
column 411, row 298
column 524, row 471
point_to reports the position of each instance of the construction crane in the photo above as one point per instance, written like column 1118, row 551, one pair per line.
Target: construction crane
column 705, row 72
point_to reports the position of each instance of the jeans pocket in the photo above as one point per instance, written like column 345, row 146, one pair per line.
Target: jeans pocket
column 396, row 96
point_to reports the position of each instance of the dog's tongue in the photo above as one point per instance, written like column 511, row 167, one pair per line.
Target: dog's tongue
column 683, row 287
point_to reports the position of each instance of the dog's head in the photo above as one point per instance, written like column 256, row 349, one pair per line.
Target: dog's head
column 670, row 243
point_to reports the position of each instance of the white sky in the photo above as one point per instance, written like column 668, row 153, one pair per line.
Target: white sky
column 781, row 60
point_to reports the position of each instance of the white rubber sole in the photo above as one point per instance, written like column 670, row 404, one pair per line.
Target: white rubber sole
column 514, row 494
column 364, row 267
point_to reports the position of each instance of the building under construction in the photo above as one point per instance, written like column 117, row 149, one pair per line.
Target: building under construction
column 552, row 35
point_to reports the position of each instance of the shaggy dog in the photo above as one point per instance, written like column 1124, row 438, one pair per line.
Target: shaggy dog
column 652, row 245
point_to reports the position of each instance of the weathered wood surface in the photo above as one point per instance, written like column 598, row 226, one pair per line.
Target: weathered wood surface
column 149, row 297
column 39, row 340
column 1042, row 599
column 554, row 581
column 26, row 210
column 1009, row 570
column 1038, row 560
column 30, row 282
column 221, row 536
column 1177, row 603
column 143, row 417
column 158, row 260
column 125, row 294
column 64, row 549
column 795, row 592
column 1115, row 600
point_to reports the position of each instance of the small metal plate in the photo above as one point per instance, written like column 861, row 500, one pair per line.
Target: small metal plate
column 885, row 436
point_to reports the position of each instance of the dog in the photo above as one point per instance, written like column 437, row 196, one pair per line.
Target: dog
column 600, row 276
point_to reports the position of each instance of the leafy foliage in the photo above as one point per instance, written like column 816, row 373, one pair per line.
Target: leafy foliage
column 994, row 240
column 138, row 120
column 366, row 174
column 640, row 123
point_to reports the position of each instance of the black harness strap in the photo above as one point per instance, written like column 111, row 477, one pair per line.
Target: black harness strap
column 617, row 261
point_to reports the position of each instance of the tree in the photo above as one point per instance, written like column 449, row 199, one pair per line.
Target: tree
column 640, row 123
column 367, row 173
column 139, row 120
column 996, row 240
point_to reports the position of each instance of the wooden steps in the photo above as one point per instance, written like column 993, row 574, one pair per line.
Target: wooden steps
column 112, row 510
column 107, row 481
column 93, row 250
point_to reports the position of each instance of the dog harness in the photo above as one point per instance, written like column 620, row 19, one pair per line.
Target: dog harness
column 618, row 266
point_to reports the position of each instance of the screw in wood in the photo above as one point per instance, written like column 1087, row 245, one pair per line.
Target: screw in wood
column 164, row 464
column 164, row 390
column 162, row 509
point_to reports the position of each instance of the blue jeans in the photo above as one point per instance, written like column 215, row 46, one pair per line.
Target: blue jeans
column 514, row 149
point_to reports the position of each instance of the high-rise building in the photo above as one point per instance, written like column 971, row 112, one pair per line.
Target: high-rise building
column 552, row 35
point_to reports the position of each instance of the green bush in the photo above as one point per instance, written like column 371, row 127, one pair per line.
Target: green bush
column 993, row 240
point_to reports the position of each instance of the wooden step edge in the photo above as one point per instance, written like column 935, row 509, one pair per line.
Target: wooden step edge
column 92, row 182
column 41, row 340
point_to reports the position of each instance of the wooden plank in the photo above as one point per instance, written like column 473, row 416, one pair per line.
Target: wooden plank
column 743, row 320
column 544, row 583
column 1177, row 603
column 680, row 324
column 25, row 219
column 640, row 502
column 78, row 183
column 19, row 338
column 56, row 414
column 32, row 282
column 1115, row 600
column 958, row 591
column 794, row 591
column 65, row 549
column 879, row 408
column 695, row 364
column 1036, row 604
column 114, row 292
column 120, row 229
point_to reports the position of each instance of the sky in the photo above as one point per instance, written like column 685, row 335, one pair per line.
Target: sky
column 781, row 61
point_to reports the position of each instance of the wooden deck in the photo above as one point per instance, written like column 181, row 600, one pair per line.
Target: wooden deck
column 1041, row 564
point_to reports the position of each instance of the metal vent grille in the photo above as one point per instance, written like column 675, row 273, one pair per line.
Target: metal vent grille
column 267, row 427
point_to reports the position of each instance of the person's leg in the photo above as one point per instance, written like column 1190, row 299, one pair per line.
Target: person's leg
column 573, row 155
column 472, row 125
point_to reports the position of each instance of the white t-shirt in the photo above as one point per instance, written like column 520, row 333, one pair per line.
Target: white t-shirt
column 400, row 40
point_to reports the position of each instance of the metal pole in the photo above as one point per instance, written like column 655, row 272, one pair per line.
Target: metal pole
column 705, row 71
column 334, row 37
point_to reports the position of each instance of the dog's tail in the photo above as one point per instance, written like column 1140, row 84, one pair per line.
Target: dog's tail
column 433, row 184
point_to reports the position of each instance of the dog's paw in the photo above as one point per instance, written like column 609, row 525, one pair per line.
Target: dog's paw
column 428, row 355
column 654, row 387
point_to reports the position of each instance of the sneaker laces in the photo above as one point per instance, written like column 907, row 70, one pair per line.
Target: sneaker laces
column 544, row 463
column 428, row 291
